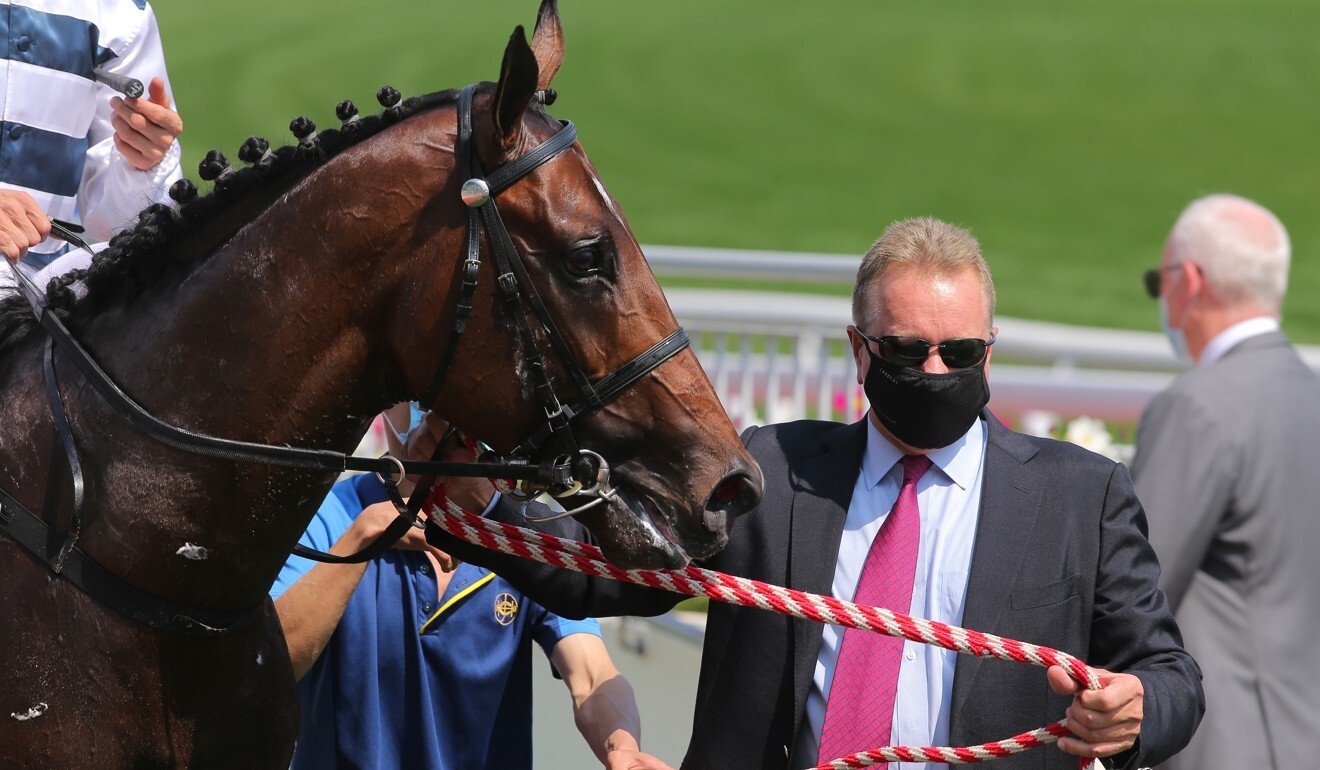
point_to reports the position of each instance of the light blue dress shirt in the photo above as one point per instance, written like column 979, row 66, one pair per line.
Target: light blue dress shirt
column 949, row 498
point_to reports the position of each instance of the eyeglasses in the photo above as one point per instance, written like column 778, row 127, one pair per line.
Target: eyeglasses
column 1154, row 279
column 959, row 353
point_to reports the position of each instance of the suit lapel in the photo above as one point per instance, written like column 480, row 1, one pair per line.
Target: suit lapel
column 1010, row 496
column 822, row 491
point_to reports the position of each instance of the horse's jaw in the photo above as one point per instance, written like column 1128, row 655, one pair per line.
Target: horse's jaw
column 635, row 534
column 661, row 550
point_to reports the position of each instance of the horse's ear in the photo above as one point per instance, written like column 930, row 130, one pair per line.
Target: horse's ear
column 517, row 85
column 548, row 42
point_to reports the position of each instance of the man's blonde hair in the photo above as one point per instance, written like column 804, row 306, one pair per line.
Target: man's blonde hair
column 926, row 244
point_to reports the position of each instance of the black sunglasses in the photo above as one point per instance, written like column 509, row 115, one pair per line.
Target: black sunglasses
column 1154, row 279
column 912, row 351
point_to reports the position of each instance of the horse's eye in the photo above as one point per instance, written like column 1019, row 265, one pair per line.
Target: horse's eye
column 583, row 261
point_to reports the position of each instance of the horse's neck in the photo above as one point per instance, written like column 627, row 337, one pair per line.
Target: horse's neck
column 278, row 339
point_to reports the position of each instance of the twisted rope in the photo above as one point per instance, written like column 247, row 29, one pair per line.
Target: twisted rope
column 695, row 581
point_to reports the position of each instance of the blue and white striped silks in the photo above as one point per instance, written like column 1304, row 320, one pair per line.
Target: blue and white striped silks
column 56, row 139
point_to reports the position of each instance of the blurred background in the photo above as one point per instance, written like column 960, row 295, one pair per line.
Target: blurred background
column 1066, row 136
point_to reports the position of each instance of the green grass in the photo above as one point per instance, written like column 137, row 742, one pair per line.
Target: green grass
column 1067, row 135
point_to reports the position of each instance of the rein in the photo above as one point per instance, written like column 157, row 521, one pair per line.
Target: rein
column 576, row 472
column 695, row 581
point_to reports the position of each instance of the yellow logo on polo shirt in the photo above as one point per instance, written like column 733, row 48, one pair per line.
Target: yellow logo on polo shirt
column 506, row 608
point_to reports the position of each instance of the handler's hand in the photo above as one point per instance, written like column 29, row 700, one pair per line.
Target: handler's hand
column 22, row 223
column 1105, row 721
column 145, row 127
column 374, row 519
column 633, row 760
column 471, row 493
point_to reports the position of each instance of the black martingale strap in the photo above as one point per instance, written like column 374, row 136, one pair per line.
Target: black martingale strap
column 29, row 531
column 65, row 433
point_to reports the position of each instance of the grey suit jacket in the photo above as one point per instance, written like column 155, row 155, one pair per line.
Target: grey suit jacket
column 1060, row 558
column 1228, row 468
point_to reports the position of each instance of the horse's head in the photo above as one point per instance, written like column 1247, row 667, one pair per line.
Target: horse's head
column 680, row 472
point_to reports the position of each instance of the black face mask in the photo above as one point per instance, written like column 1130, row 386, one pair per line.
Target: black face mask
column 925, row 411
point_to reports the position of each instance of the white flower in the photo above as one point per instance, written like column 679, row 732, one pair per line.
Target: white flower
column 1090, row 433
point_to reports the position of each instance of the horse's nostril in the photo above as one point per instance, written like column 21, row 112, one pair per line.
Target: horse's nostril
column 735, row 495
column 729, row 489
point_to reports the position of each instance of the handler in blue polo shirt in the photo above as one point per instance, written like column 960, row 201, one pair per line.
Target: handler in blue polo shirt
column 415, row 661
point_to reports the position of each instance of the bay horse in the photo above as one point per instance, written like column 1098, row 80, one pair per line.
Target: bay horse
column 296, row 300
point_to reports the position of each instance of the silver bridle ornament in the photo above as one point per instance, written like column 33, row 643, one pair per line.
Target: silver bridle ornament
column 475, row 193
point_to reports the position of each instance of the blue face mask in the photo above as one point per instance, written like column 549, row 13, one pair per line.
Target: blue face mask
column 1177, row 337
column 415, row 418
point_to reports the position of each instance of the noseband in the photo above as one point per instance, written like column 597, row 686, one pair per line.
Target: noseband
column 576, row 472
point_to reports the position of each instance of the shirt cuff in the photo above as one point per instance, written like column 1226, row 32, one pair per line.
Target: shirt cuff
column 494, row 501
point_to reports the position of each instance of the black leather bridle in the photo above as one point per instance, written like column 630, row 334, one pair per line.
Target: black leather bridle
column 574, row 472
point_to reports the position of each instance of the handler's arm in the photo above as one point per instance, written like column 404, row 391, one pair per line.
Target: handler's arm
column 310, row 609
column 604, row 707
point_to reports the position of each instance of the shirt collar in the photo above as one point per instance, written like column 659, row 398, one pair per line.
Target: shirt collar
column 958, row 460
column 1226, row 340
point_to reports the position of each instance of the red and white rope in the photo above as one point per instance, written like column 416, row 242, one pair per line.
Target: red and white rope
column 695, row 581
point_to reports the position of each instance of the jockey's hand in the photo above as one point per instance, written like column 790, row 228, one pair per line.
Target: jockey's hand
column 22, row 223
column 145, row 127
column 373, row 521
column 633, row 760
column 471, row 494
column 1104, row 722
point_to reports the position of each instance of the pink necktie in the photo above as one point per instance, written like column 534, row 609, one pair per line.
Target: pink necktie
column 860, row 709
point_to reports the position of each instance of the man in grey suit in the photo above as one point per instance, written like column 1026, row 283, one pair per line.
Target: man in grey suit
column 1226, row 466
column 930, row 505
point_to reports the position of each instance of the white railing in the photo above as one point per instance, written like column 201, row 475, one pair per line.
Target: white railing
column 777, row 356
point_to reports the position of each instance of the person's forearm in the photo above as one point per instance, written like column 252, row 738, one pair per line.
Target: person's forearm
column 608, row 718
column 311, row 608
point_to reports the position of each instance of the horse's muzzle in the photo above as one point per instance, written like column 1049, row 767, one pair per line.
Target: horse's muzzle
column 738, row 492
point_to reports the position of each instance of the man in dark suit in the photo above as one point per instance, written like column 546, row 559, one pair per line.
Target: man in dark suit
column 1226, row 461
column 933, row 507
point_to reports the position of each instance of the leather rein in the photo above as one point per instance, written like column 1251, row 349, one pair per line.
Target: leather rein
column 576, row 472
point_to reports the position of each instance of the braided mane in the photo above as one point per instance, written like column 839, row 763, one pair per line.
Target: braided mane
column 141, row 256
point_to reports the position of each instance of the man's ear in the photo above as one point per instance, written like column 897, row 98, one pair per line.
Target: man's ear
column 515, row 88
column 861, row 356
column 1195, row 278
